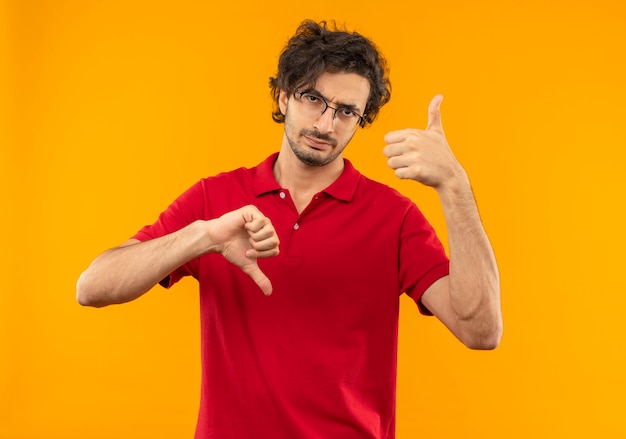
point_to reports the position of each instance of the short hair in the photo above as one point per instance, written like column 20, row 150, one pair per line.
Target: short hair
column 315, row 49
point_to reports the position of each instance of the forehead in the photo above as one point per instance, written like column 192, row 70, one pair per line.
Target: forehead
column 344, row 88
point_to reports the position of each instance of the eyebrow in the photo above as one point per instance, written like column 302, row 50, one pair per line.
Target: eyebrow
column 350, row 107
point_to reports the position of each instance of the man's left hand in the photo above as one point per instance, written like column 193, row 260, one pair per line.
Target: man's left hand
column 423, row 155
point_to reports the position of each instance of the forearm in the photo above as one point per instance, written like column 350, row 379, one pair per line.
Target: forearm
column 125, row 273
column 474, row 279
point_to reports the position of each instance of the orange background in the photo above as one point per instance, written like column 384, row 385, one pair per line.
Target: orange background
column 111, row 109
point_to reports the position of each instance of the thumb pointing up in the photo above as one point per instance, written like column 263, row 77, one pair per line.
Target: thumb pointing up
column 434, row 115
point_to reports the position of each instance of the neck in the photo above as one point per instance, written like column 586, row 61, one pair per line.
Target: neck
column 302, row 180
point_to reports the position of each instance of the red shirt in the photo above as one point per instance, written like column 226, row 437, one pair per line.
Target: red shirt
column 317, row 358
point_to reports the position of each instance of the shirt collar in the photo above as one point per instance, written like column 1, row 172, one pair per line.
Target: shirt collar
column 264, row 180
column 343, row 188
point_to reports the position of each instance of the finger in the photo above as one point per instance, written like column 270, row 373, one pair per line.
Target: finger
column 403, row 146
column 268, row 246
column 393, row 150
column 256, row 223
column 434, row 115
column 395, row 136
column 260, row 233
column 400, row 161
column 261, row 254
column 405, row 173
column 259, row 278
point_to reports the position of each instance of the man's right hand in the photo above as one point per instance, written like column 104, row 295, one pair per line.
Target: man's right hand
column 242, row 236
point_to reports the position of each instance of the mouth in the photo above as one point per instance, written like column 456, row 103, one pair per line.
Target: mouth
column 317, row 143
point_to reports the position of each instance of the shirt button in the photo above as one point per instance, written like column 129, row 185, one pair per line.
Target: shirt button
column 282, row 195
column 296, row 226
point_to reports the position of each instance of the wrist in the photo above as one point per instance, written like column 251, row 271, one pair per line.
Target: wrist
column 201, row 237
column 456, row 185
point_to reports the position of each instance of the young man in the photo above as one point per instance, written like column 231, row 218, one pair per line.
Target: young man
column 315, row 355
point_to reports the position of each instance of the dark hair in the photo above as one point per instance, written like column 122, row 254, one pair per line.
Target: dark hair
column 315, row 49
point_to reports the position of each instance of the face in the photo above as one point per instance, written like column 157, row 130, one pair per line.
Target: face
column 317, row 141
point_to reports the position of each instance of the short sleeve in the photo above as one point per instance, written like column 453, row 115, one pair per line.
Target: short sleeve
column 423, row 259
column 186, row 209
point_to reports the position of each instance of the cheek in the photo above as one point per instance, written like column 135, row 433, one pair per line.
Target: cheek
column 290, row 128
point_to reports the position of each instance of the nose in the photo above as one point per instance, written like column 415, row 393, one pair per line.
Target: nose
column 325, row 122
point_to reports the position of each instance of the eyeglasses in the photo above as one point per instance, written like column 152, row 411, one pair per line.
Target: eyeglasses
column 314, row 106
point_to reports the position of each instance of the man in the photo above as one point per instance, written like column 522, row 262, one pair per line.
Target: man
column 315, row 355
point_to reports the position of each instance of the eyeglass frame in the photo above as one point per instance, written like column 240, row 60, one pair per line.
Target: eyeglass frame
column 325, row 101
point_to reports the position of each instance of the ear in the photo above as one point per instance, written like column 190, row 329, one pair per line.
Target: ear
column 282, row 101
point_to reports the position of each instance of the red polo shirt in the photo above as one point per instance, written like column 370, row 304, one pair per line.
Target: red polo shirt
column 317, row 358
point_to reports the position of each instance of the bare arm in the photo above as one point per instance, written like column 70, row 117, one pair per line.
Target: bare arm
column 128, row 271
column 468, row 300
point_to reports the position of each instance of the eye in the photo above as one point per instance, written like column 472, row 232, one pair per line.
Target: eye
column 345, row 112
column 311, row 98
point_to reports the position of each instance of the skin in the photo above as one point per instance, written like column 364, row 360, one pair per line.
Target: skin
column 467, row 301
column 130, row 270
column 300, row 176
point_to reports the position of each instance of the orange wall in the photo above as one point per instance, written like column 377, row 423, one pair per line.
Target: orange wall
column 111, row 109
